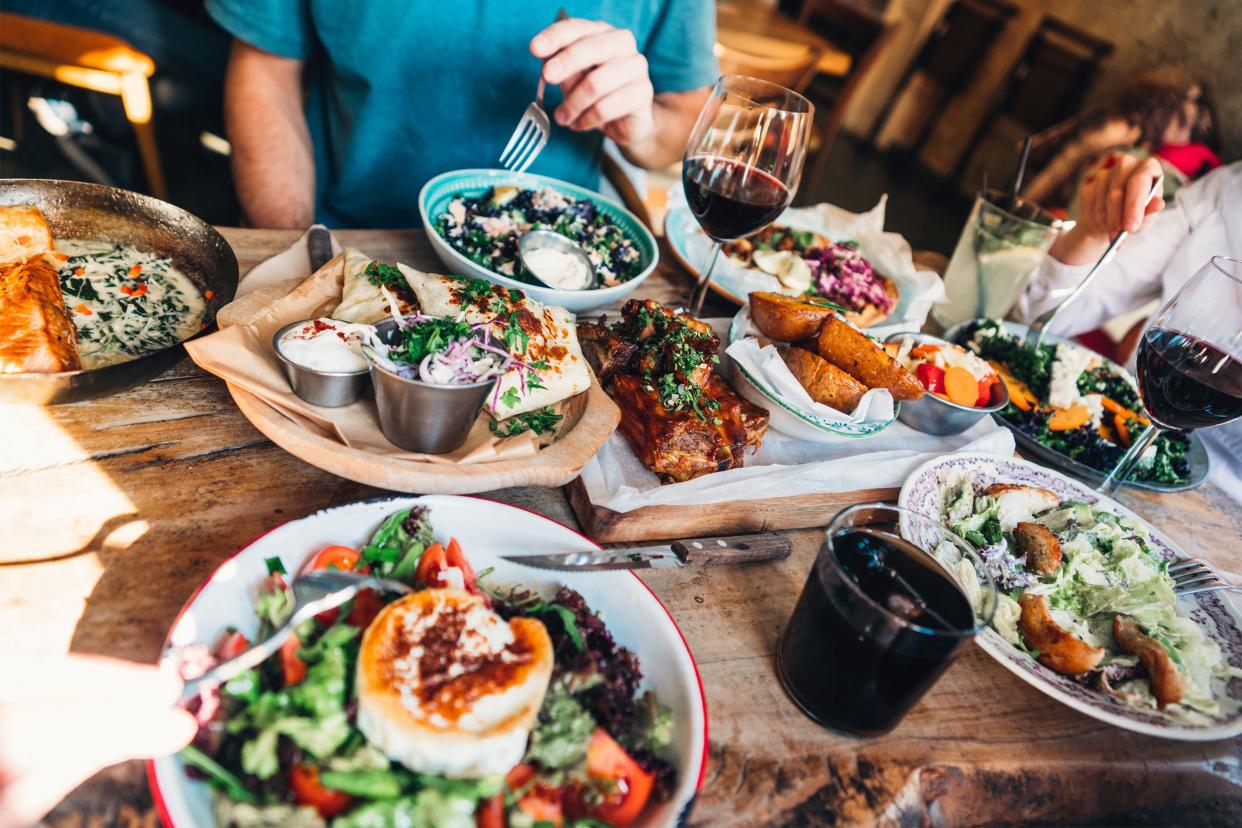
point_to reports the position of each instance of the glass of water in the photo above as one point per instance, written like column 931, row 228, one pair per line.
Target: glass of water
column 1000, row 247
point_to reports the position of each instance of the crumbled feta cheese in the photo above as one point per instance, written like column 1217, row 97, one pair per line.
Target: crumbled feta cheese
column 1070, row 362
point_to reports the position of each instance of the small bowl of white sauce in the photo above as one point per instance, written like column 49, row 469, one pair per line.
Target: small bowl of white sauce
column 323, row 360
column 555, row 261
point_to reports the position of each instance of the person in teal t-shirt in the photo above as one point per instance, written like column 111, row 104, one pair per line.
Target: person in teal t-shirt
column 340, row 110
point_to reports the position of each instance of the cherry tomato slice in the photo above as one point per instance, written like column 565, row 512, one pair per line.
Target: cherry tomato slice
column 542, row 803
column 430, row 565
column 455, row 557
column 335, row 557
column 293, row 667
column 491, row 813
column 304, row 781
column 608, row 760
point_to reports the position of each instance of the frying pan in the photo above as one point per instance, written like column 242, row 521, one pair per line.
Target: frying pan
column 76, row 210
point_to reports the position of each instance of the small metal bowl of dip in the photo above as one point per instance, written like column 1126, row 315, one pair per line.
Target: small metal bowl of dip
column 555, row 261
column 328, row 389
column 423, row 416
column 931, row 414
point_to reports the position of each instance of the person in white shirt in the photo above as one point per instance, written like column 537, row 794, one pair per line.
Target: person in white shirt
column 1167, row 248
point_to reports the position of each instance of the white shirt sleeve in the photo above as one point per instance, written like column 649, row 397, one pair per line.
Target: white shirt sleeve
column 1131, row 279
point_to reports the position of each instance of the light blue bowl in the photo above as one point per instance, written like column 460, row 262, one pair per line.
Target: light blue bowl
column 436, row 194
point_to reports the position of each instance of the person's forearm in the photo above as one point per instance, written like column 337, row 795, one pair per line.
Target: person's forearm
column 273, row 163
column 674, row 114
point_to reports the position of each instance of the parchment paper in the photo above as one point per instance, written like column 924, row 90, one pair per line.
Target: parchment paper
column 241, row 353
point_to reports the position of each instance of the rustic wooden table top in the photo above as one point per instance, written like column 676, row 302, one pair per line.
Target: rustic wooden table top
column 114, row 510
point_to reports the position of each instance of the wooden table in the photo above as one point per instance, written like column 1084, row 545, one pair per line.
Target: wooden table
column 128, row 502
column 750, row 22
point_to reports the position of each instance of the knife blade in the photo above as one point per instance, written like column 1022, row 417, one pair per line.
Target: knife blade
column 765, row 546
column 319, row 246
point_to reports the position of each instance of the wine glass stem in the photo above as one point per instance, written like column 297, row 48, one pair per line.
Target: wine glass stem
column 705, row 278
column 1122, row 470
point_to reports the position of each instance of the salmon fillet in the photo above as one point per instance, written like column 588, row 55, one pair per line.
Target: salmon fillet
column 37, row 334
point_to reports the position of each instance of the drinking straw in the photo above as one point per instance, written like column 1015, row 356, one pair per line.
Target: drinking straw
column 1017, row 176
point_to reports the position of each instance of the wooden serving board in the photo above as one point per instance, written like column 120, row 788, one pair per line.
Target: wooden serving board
column 735, row 517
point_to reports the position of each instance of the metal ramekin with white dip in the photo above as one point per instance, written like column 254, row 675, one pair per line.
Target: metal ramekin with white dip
column 323, row 360
column 555, row 260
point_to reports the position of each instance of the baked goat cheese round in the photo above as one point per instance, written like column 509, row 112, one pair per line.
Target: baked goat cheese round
column 446, row 686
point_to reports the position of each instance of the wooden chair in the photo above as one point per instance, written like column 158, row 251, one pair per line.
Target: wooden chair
column 853, row 27
column 88, row 60
column 1045, row 86
column 789, row 64
column 951, row 55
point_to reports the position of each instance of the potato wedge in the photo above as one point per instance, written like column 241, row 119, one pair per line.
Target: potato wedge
column 786, row 318
column 855, row 353
column 825, row 382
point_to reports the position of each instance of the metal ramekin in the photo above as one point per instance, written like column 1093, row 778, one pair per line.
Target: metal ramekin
column 421, row 416
column 329, row 389
column 934, row 415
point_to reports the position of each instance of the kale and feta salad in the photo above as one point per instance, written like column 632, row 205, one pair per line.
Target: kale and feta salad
column 1085, row 592
column 284, row 743
column 486, row 230
column 1078, row 404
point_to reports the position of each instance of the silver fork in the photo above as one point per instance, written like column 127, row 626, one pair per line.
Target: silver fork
column 531, row 133
column 313, row 593
column 1035, row 332
column 1194, row 575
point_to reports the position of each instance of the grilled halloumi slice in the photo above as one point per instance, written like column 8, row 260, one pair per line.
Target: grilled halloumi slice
column 446, row 686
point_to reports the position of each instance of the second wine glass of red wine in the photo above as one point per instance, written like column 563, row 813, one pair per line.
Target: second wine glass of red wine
column 1190, row 361
column 743, row 162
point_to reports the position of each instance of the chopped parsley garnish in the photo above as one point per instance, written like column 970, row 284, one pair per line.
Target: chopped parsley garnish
column 540, row 422
column 511, row 397
column 384, row 274
column 474, row 291
column 412, row 344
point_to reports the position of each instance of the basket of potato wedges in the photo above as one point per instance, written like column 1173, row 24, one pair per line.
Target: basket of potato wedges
column 825, row 375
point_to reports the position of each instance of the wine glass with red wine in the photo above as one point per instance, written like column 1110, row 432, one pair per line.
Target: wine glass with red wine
column 1190, row 360
column 743, row 162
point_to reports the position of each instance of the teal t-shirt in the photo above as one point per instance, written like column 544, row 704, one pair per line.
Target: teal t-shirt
column 402, row 90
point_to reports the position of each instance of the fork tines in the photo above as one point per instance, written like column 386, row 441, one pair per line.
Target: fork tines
column 1194, row 575
column 527, row 141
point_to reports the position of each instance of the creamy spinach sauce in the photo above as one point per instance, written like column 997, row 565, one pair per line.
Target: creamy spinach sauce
column 125, row 303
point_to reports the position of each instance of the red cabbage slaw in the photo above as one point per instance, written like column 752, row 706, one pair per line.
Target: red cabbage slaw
column 466, row 361
column 841, row 273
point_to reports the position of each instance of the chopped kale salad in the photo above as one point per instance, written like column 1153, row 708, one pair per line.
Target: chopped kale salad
column 486, row 229
column 293, row 741
column 1078, row 404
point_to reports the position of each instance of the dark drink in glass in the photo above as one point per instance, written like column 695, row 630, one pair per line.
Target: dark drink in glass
column 877, row 623
column 1187, row 383
column 729, row 198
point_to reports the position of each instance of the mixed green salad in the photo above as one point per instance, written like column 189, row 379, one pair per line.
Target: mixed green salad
column 1104, row 568
column 280, row 746
column 1076, row 403
column 486, row 230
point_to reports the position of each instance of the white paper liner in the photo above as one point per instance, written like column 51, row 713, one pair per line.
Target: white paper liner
column 889, row 254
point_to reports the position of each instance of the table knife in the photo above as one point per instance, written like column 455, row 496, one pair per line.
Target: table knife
column 319, row 246
column 765, row 546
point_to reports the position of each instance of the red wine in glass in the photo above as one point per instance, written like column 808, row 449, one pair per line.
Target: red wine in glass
column 731, row 199
column 1187, row 383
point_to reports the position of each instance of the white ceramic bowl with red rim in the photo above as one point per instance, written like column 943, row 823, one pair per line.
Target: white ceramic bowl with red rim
column 486, row 530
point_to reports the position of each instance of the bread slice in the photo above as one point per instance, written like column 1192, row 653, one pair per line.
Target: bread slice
column 786, row 318
column 446, row 687
column 859, row 356
column 825, row 382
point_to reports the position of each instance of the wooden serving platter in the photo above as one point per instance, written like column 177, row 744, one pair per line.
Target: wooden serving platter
column 595, row 418
column 735, row 517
